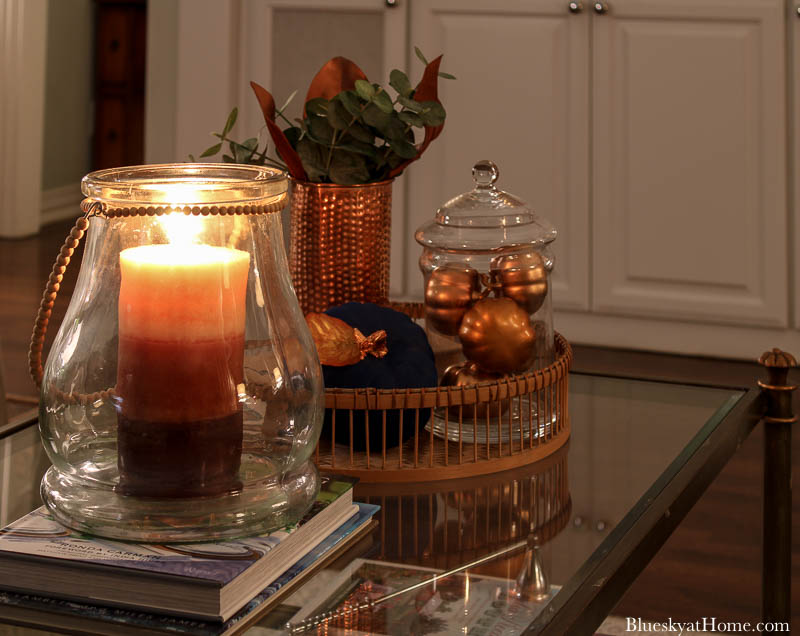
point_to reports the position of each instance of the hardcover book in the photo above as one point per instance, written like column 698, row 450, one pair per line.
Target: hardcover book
column 210, row 581
column 43, row 612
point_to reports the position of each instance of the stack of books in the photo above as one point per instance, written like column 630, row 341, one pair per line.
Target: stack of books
column 52, row 577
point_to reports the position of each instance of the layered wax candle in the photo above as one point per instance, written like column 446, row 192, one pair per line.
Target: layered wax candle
column 181, row 349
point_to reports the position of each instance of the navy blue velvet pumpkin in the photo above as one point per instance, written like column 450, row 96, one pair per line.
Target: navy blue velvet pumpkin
column 409, row 363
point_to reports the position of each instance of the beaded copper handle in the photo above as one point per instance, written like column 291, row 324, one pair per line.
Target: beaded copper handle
column 53, row 285
column 92, row 208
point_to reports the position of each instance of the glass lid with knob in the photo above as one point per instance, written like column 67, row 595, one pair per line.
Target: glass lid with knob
column 485, row 219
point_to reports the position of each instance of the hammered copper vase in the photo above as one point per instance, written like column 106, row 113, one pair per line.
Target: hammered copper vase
column 339, row 248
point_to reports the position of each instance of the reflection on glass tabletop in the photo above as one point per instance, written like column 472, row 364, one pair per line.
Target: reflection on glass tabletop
column 625, row 435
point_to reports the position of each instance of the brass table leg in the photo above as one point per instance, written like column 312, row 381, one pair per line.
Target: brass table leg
column 777, row 512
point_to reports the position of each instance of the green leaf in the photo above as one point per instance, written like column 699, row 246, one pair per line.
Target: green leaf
column 227, row 159
column 231, row 121
column 403, row 148
column 433, row 113
column 420, row 55
column 399, row 81
column 348, row 168
column 360, row 132
column 350, row 101
column 396, row 129
column 394, row 160
column 191, row 158
column 320, row 130
column 364, row 89
column 353, row 145
column 241, row 153
column 411, row 104
column 311, row 156
column 375, row 117
column 293, row 134
column 249, row 148
column 338, row 117
column 412, row 119
column 208, row 152
column 446, row 75
column 383, row 101
column 317, row 106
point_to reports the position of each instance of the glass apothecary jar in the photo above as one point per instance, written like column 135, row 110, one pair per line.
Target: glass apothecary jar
column 182, row 396
column 487, row 264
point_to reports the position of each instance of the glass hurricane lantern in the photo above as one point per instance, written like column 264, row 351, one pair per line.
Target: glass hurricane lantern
column 182, row 396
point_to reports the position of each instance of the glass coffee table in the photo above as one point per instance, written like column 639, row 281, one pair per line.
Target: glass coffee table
column 585, row 521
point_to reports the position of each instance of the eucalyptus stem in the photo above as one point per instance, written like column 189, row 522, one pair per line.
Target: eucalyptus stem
column 267, row 160
column 388, row 149
column 280, row 114
column 330, row 154
column 333, row 140
column 261, row 155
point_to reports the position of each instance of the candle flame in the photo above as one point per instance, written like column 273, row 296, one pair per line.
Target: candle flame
column 180, row 193
column 182, row 229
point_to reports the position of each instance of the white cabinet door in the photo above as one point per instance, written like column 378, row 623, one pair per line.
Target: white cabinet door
column 521, row 99
column 689, row 181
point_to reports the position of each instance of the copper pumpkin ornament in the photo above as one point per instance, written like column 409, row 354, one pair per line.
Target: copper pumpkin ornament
column 449, row 293
column 497, row 334
column 523, row 278
column 466, row 374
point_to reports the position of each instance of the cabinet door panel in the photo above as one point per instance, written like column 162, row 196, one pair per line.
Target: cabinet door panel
column 689, row 195
column 521, row 100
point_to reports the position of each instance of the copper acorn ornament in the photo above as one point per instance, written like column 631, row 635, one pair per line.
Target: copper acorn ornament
column 467, row 373
column 449, row 293
column 497, row 334
column 522, row 277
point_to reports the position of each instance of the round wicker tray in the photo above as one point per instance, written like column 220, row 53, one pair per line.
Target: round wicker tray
column 539, row 398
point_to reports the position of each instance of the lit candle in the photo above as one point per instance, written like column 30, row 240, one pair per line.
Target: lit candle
column 181, row 350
